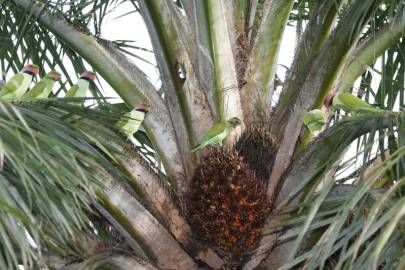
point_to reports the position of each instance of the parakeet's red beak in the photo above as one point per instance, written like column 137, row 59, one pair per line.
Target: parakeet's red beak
column 328, row 100
column 89, row 75
column 54, row 75
column 142, row 107
column 34, row 69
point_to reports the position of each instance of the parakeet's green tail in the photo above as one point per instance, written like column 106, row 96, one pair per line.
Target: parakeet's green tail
column 196, row 148
column 350, row 102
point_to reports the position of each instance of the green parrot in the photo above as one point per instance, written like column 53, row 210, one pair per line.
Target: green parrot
column 132, row 120
column 217, row 133
column 82, row 85
column 314, row 120
column 16, row 87
column 44, row 87
column 349, row 103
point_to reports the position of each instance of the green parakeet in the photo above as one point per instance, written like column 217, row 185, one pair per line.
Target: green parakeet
column 132, row 120
column 349, row 103
column 44, row 87
column 314, row 120
column 82, row 85
column 16, row 87
column 217, row 133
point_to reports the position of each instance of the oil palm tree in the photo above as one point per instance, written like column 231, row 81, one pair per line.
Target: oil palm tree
column 77, row 195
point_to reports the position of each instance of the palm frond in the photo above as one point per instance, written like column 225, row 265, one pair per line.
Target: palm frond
column 359, row 229
column 46, row 181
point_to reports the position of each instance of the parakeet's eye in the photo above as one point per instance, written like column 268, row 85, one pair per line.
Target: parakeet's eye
column 181, row 72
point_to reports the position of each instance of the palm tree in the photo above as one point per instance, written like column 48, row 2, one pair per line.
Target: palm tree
column 75, row 194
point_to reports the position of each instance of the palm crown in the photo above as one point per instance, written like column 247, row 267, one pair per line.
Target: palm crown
column 76, row 193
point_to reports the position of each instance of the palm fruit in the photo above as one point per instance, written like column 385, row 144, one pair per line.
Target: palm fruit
column 258, row 148
column 227, row 206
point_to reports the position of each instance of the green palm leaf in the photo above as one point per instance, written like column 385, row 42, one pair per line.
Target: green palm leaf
column 343, row 231
column 46, row 180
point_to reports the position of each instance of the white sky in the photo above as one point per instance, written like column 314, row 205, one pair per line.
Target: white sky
column 132, row 27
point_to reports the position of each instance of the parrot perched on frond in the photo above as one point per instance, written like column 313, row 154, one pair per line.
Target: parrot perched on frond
column 44, row 87
column 16, row 87
column 132, row 120
column 314, row 120
column 82, row 85
column 349, row 103
column 217, row 133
